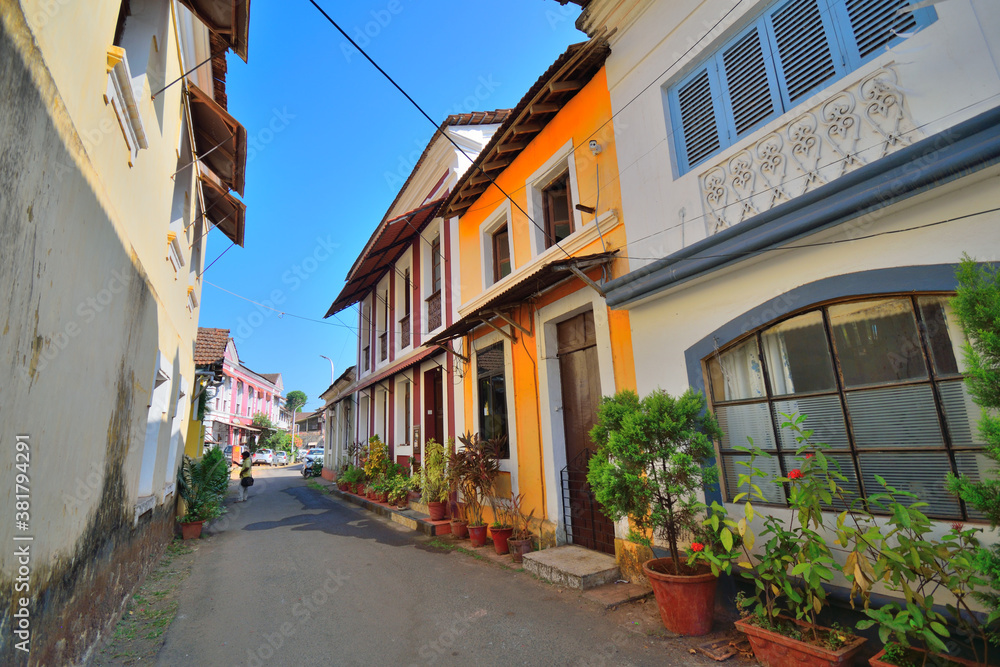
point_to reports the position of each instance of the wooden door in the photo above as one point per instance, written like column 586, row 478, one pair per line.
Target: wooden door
column 586, row 524
column 433, row 405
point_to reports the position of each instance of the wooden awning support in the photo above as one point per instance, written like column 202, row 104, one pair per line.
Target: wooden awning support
column 509, row 336
column 585, row 278
column 447, row 348
column 511, row 322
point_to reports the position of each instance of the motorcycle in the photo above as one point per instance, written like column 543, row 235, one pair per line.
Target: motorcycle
column 312, row 468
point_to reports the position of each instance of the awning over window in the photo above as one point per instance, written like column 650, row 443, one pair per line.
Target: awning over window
column 224, row 210
column 227, row 18
column 399, row 366
column 536, row 281
column 220, row 140
column 383, row 249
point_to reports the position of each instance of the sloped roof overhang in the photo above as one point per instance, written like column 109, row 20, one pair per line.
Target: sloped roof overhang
column 224, row 210
column 398, row 367
column 384, row 247
column 229, row 19
column 534, row 283
column 220, row 140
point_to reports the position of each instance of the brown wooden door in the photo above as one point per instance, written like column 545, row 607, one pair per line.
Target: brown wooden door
column 580, row 378
column 433, row 405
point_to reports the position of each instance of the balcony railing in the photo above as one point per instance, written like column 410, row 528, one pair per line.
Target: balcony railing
column 404, row 332
column 383, row 342
column 434, row 311
column 859, row 125
column 365, row 359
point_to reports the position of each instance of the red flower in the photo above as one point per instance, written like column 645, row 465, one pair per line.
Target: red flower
column 795, row 474
column 697, row 546
column 809, row 456
column 958, row 526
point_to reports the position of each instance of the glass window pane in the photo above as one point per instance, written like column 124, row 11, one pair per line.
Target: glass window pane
column 798, row 356
column 775, row 493
column 895, row 417
column 922, row 474
column 824, row 416
column 977, row 467
column 842, row 463
column 736, row 374
column 877, row 342
column 944, row 334
column 738, row 422
column 961, row 415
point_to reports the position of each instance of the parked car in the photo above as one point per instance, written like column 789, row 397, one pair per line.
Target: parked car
column 263, row 456
column 314, row 454
column 228, row 453
column 281, row 458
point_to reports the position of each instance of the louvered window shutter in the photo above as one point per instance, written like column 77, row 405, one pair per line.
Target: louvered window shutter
column 875, row 23
column 697, row 112
column 802, row 40
column 748, row 82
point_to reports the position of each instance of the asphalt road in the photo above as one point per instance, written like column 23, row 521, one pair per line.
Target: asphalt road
column 296, row 577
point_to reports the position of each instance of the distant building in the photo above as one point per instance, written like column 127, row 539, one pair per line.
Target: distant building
column 339, row 411
column 310, row 426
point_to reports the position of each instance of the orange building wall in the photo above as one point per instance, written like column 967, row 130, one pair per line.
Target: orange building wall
column 587, row 116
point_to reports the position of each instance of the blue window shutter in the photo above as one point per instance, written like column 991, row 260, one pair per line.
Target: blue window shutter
column 875, row 24
column 804, row 47
column 748, row 81
column 697, row 130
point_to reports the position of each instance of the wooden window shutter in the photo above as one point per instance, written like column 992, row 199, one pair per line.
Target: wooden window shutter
column 803, row 47
column 875, row 23
column 747, row 82
column 698, row 118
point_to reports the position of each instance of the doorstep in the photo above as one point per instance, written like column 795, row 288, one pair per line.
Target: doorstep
column 573, row 567
column 611, row 595
column 410, row 518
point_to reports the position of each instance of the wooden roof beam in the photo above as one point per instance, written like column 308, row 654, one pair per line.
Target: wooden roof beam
column 528, row 128
column 542, row 107
column 511, row 147
column 565, row 86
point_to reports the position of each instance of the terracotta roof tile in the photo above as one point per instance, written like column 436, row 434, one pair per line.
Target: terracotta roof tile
column 210, row 346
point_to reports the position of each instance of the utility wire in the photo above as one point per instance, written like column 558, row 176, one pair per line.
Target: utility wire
column 216, row 259
column 436, row 126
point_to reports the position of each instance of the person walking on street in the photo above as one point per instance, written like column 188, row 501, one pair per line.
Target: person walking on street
column 246, row 475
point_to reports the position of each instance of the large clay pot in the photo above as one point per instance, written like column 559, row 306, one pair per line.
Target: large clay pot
column 876, row 661
column 477, row 535
column 520, row 547
column 459, row 529
column 500, row 537
column 437, row 510
column 686, row 602
column 775, row 650
column 191, row 530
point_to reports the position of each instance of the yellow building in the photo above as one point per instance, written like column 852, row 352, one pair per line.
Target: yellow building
column 539, row 232
column 111, row 179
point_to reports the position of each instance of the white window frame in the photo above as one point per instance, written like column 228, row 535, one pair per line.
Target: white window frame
column 508, row 465
column 499, row 217
column 562, row 160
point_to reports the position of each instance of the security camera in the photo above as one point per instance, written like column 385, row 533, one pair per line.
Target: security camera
column 595, row 147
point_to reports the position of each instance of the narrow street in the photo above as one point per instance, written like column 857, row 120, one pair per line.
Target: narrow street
column 296, row 577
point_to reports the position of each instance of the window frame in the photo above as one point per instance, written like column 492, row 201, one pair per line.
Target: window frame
column 548, row 209
column 436, row 264
column 845, row 54
column 491, row 396
column 562, row 160
column 934, row 379
column 499, row 245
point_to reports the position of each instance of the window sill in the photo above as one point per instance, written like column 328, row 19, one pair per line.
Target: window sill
column 433, row 296
column 121, row 97
column 143, row 505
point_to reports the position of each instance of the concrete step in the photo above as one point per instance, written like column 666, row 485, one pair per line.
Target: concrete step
column 611, row 595
column 573, row 567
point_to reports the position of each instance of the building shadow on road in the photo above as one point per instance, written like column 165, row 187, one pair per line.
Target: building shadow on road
column 336, row 519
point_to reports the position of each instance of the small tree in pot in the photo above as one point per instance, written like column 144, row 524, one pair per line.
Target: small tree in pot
column 651, row 461
column 433, row 479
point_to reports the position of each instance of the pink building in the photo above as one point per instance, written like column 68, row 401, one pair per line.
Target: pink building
column 237, row 394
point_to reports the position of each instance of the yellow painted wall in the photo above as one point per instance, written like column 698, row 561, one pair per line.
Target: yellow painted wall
column 587, row 116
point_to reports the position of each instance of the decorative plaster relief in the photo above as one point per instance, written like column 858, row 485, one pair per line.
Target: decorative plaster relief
column 853, row 128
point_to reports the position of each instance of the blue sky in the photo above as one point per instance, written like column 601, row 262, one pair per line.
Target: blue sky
column 331, row 141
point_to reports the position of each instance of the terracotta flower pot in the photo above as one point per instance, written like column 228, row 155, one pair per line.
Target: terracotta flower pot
column 383, row 497
column 459, row 529
column 686, row 602
column 191, row 530
column 500, row 537
column 876, row 660
column 371, row 495
column 775, row 650
column 520, row 547
column 477, row 535
column 436, row 510
column 359, row 489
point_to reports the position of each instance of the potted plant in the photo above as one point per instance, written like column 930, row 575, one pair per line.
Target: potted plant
column 202, row 485
column 457, row 465
column 400, row 491
column 434, row 480
column 521, row 540
column 789, row 570
column 505, row 516
column 481, row 467
column 652, row 459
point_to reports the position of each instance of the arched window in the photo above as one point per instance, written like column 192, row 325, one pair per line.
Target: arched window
column 880, row 380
